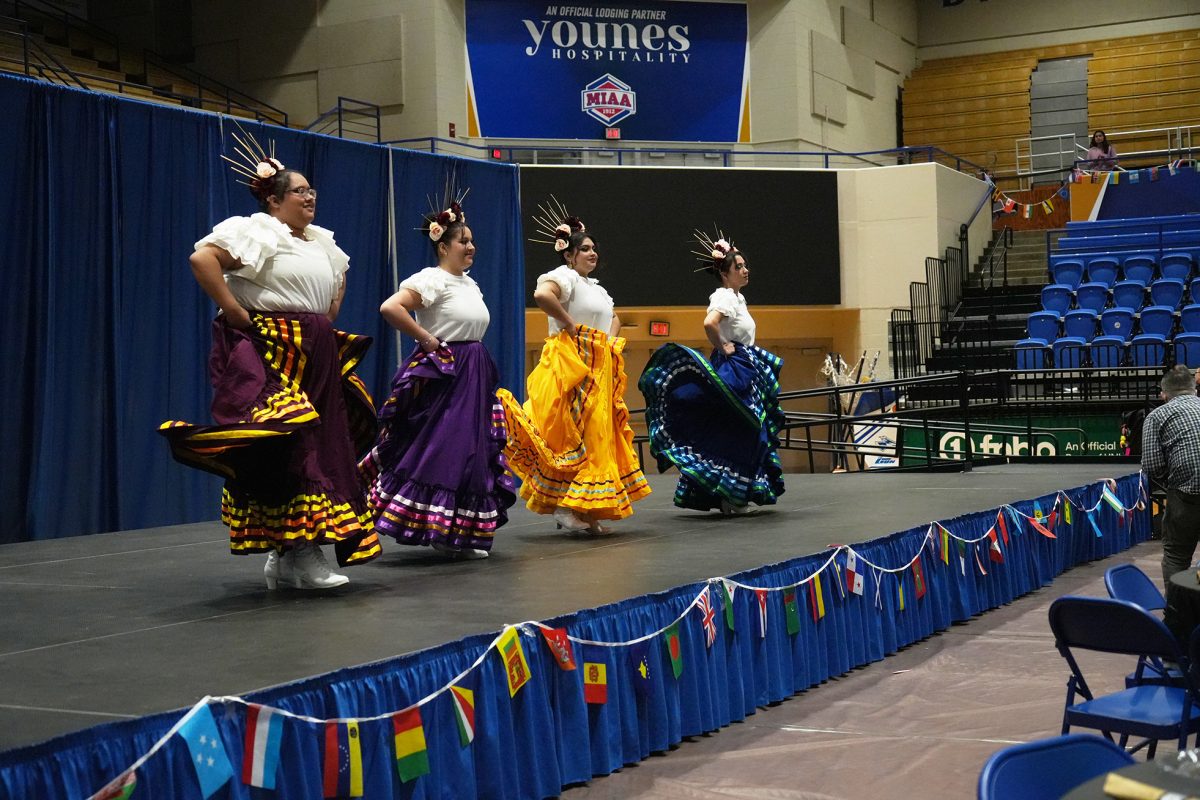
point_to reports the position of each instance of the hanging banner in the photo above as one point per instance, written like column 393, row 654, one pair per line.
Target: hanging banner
column 661, row 71
column 1087, row 435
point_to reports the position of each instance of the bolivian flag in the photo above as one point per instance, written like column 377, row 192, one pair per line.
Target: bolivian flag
column 412, row 759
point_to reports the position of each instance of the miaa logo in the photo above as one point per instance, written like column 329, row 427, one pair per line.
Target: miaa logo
column 609, row 100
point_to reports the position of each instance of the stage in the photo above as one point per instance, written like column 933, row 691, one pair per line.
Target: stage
column 108, row 627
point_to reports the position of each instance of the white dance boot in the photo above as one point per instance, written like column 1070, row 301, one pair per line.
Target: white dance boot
column 278, row 568
column 310, row 570
column 569, row 519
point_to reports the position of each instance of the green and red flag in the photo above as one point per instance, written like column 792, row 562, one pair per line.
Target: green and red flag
column 674, row 650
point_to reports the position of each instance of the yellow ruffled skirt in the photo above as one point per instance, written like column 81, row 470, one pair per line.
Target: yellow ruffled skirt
column 570, row 443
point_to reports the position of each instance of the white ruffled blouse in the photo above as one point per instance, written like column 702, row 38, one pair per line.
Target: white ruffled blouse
column 278, row 271
column 452, row 307
column 584, row 299
column 736, row 323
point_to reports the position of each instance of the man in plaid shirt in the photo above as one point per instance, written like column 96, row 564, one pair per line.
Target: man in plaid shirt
column 1171, row 455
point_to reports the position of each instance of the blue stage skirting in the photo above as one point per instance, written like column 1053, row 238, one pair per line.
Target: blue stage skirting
column 546, row 736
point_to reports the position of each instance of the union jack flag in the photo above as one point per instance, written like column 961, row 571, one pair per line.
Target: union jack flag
column 708, row 617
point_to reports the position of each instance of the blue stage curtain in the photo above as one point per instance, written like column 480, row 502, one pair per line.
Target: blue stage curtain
column 547, row 737
column 105, row 332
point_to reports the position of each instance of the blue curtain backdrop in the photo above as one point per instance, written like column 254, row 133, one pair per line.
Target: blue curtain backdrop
column 534, row 744
column 104, row 331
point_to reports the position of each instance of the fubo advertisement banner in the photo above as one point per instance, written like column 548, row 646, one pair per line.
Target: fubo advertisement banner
column 658, row 71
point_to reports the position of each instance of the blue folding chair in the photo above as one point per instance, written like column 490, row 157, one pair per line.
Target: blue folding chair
column 1092, row 296
column 1167, row 292
column 1102, row 270
column 1140, row 269
column 1048, row 768
column 1129, row 294
column 1127, row 582
column 1187, row 349
column 1147, row 711
column 1109, row 348
column 1067, row 271
column 1176, row 265
column 1056, row 297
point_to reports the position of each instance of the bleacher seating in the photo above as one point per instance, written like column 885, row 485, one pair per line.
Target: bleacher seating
column 1056, row 297
column 1091, row 297
column 1102, row 270
column 1068, row 272
column 1139, row 268
column 1109, row 349
column 1176, row 265
column 1189, row 317
column 1129, row 294
column 1167, row 292
column 1187, row 349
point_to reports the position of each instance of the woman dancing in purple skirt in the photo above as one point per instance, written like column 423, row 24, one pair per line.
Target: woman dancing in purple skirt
column 437, row 472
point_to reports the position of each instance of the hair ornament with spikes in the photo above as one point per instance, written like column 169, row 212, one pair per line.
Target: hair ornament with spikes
column 555, row 225
column 258, row 165
column 435, row 222
column 712, row 252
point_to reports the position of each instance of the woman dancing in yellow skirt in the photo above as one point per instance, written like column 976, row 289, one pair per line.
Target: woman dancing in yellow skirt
column 571, row 443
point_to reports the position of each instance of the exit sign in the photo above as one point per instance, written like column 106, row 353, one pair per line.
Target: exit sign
column 612, row 133
column 660, row 329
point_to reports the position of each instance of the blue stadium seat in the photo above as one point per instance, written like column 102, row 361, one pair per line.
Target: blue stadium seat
column 1140, row 269
column 1031, row 353
column 1102, row 270
column 1187, row 349
column 1043, row 326
column 1069, row 352
column 1189, row 318
column 1056, row 297
column 1080, row 324
column 1129, row 294
column 1176, row 265
column 1092, row 296
column 1111, row 347
column 1194, row 290
column 1149, row 348
column 1167, row 292
column 1068, row 272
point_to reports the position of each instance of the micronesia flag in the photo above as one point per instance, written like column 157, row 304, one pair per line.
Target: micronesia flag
column 212, row 766
column 264, row 734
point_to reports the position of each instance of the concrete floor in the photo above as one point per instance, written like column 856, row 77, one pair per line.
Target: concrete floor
column 110, row 626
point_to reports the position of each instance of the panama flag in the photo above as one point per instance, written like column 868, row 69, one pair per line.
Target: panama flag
column 761, row 596
column 464, row 713
column 264, row 734
column 854, row 578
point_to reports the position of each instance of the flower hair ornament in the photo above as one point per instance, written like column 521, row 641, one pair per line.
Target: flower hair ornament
column 555, row 225
column 712, row 252
column 435, row 223
column 254, row 163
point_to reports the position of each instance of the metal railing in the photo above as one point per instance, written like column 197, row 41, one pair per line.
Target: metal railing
column 36, row 61
column 210, row 94
column 995, row 260
column 644, row 154
column 1064, row 152
column 72, row 27
column 349, row 119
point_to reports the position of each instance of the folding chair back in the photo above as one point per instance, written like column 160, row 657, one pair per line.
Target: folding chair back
column 1127, row 582
column 1148, row 711
column 1048, row 768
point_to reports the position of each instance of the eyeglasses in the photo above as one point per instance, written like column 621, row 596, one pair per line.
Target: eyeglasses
column 304, row 193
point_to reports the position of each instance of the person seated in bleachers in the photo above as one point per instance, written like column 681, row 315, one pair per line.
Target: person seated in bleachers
column 1101, row 154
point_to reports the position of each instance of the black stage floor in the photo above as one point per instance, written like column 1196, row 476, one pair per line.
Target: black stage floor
column 99, row 628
